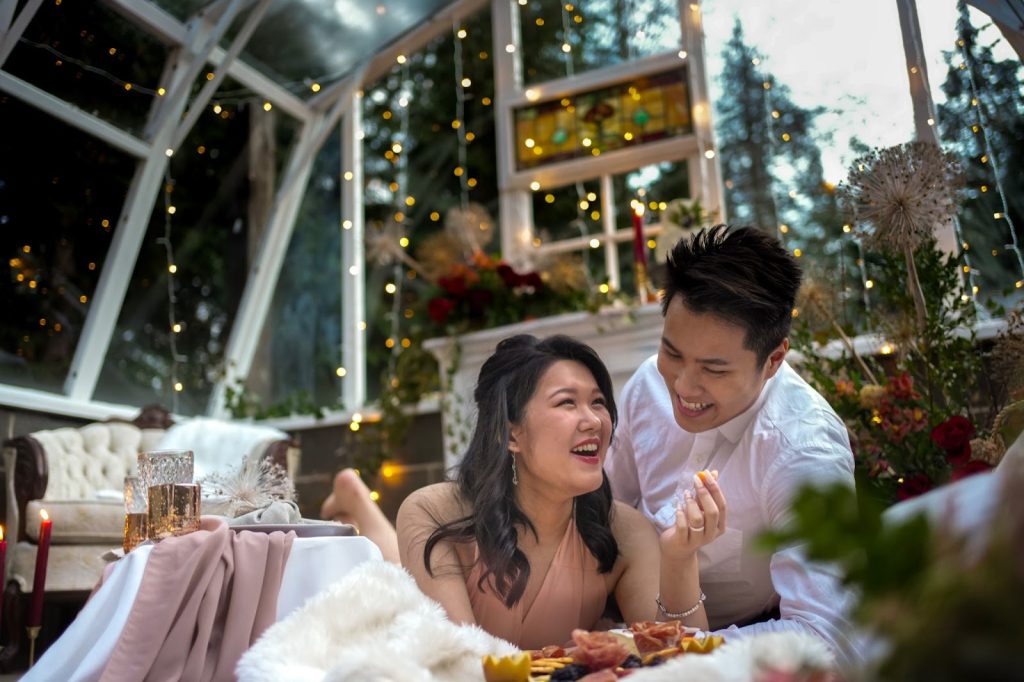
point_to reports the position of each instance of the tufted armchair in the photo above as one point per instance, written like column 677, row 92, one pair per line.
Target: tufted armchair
column 77, row 475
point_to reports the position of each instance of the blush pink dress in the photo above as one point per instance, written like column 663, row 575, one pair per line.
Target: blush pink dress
column 573, row 595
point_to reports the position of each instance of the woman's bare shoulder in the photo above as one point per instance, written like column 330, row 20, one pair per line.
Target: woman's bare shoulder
column 629, row 524
column 440, row 501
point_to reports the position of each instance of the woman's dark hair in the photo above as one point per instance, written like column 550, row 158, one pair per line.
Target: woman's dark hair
column 507, row 381
column 743, row 275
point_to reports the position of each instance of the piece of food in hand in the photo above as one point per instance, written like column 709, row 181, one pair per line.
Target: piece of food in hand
column 514, row 668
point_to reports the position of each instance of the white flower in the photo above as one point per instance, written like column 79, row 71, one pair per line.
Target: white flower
column 897, row 196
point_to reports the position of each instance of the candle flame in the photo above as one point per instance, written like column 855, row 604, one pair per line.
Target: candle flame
column 1, row 533
column 639, row 208
column 42, row 513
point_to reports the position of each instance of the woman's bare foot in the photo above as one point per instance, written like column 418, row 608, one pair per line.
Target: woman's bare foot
column 349, row 502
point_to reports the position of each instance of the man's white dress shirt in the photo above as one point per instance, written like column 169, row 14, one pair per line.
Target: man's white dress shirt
column 789, row 436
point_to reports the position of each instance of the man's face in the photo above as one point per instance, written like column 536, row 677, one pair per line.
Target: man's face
column 710, row 375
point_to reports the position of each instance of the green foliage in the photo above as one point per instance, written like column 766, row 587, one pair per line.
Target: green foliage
column 892, row 403
column 943, row 613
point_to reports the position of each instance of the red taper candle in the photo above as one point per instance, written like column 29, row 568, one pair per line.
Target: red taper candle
column 35, row 611
column 3, row 566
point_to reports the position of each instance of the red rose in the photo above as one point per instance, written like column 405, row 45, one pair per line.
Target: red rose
column 913, row 486
column 479, row 299
column 439, row 309
column 969, row 468
column 455, row 285
column 954, row 436
column 508, row 276
column 532, row 279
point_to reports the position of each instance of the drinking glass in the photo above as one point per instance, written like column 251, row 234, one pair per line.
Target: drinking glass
column 162, row 472
column 165, row 466
column 173, row 509
column 136, row 516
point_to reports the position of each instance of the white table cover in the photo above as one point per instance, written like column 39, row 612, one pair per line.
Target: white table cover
column 83, row 650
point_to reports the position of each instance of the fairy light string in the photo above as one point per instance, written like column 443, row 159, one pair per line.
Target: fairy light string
column 403, row 200
column 174, row 326
column 461, row 83
column 976, row 103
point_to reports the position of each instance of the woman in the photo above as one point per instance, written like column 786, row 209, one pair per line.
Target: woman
column 527, row 542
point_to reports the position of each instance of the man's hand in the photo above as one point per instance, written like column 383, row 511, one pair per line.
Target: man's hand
column 700, row 518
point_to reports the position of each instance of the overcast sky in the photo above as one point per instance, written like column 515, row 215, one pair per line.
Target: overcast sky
column 846, row 56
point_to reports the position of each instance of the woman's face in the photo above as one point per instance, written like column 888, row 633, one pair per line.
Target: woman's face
column 561, row 442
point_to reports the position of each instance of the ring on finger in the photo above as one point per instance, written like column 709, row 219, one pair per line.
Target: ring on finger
column 697, row 529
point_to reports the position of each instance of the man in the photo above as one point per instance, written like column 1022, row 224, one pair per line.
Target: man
column 719, row 395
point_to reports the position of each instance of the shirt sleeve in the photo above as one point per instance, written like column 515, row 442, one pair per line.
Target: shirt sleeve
column 620, row 463
column 812, row 598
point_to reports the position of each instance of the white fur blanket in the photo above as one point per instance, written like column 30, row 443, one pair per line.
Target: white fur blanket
column 375, row 624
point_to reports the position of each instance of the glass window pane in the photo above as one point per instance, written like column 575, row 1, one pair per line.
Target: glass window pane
column 295, row 369
column 568, row 212
column 590, row 123
column 169, row 342
column 94, row 58
column 796, row 101
column 564, row 38
column 60, row 197
column 430, row 175
column 307, row 41
column 978, row 87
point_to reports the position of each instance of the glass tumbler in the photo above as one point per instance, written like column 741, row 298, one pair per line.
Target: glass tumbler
column 165, row 466
column 136, row 514
column 162, row 471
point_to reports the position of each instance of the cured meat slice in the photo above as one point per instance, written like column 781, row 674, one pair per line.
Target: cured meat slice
column 651, row 636
column 598, row 650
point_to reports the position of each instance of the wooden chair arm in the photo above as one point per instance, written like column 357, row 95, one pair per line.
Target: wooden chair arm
column 31, row 475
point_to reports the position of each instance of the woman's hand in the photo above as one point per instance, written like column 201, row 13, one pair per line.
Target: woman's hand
column 700, row 518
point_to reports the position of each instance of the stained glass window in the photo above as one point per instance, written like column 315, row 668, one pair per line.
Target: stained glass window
column 591, row 123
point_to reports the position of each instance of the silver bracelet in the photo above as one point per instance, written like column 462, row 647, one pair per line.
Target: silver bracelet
column 682, row 614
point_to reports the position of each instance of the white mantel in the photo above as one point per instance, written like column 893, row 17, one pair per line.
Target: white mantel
column 623, row 337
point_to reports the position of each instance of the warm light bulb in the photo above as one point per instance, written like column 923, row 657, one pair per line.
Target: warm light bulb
column 341, row 371
column 594, row 243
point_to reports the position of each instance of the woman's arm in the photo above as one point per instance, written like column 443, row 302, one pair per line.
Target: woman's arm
column 419, row 516
column 668, row 563
column 648, row 574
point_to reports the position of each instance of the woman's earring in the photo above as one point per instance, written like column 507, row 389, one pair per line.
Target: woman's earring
column 515, row 478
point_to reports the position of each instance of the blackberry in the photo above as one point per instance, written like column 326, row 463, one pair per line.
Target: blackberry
column 633, row 661
column 573, row 671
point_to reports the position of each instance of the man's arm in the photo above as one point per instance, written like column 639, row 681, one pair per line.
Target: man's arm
column 812, row 598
